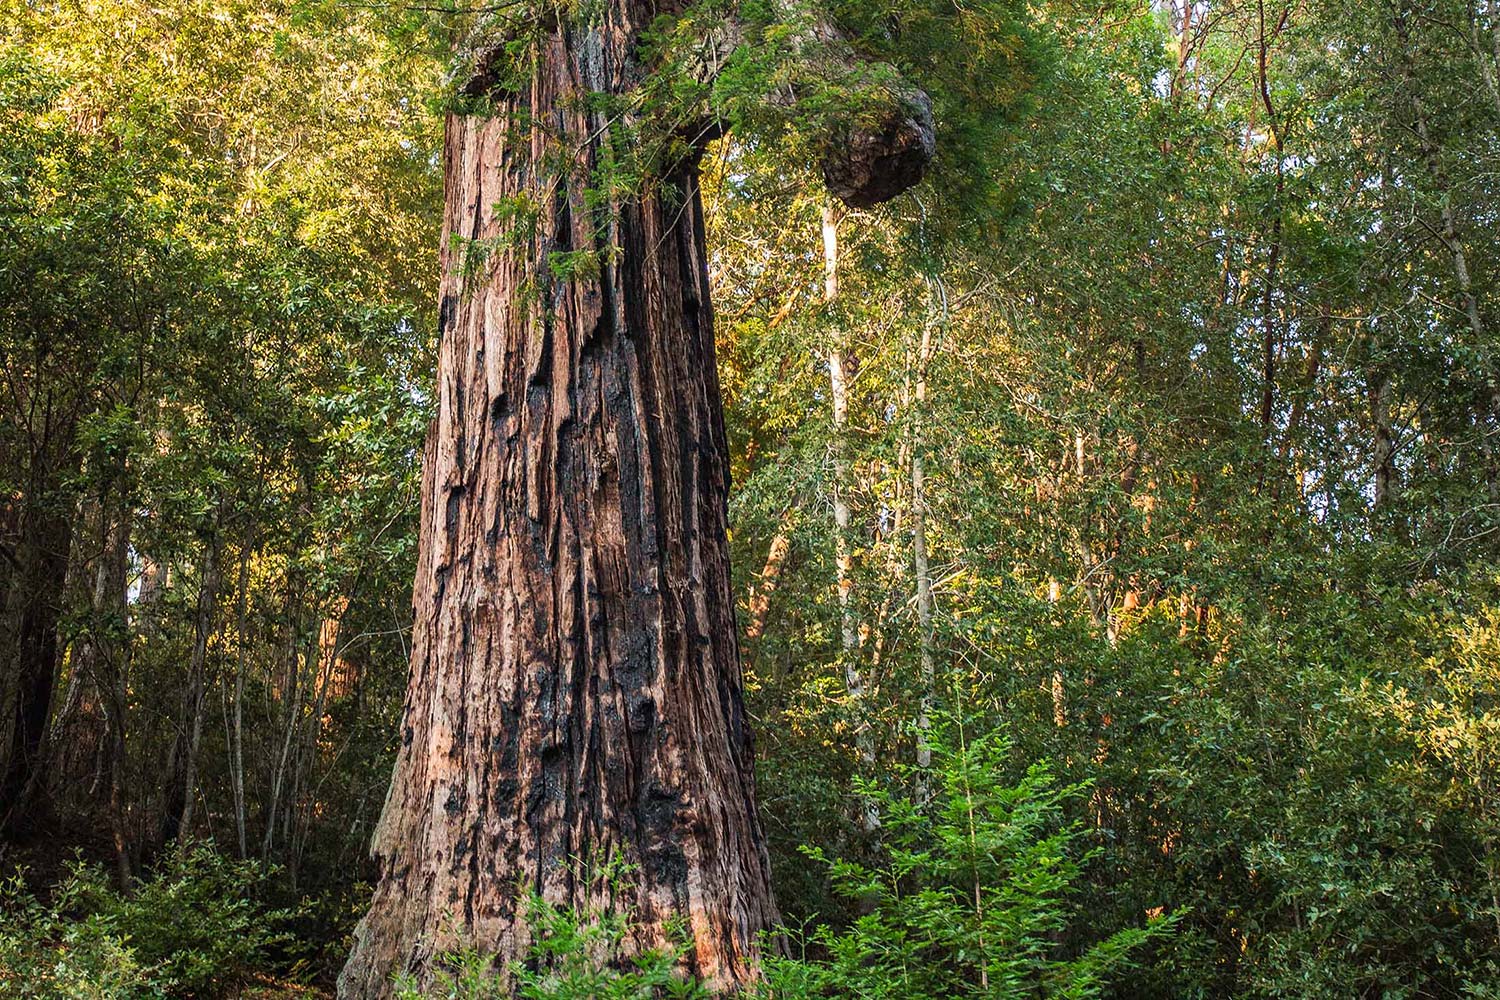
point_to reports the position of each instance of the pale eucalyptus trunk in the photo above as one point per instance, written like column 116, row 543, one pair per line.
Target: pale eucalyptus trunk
column 920, row 562
column 838, row 395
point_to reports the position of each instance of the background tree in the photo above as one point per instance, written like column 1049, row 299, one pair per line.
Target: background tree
column 214, row 302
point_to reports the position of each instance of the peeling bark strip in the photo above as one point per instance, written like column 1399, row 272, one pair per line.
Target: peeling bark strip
column 575, row 685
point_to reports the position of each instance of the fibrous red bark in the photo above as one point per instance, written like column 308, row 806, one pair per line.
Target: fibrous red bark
column 575, row 685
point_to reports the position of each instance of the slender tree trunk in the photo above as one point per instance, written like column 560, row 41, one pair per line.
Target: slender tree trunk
column 838, row 393
column 1269, row 334
column 190, row 736
column 1494, row 9
column 291, row 712
column 1448, row 231
column 77, row 735
column 237, row 707
column 770, row 577
column 920, row 564
column 1092, row 574
column 329, row 648
column 1468, row 301
column 1057, row 684
column 1384, row 447
column 44, row 543
column 88, row 735
column 10, row 545
column 1311, row 364
column 1488, row 62
column 153, row 582
column 292, row 769
column 112, row 597
column 1184, row 45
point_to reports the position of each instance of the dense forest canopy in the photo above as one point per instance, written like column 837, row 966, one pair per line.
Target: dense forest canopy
column 1114, row 514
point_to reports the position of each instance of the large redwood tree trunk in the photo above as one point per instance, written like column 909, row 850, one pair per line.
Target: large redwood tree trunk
column 575, row 688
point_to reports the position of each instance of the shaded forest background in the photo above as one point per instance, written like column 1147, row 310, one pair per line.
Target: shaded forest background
column 1156, row 436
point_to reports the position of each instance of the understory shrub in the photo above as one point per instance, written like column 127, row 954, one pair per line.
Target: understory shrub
column 194, row 927
column 970, row 897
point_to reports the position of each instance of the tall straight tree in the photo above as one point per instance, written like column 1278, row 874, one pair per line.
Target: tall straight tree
column 575, row 687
